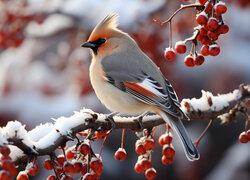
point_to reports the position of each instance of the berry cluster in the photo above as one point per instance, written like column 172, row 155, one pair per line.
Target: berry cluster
column 77, row 159
column 245, row 136
column 143, row 147
column 168, row 152
column 211, row 26
column 15, row 15
column 8, row 168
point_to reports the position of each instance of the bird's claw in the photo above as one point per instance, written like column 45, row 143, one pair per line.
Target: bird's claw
column 139, row 120
column 110, row 119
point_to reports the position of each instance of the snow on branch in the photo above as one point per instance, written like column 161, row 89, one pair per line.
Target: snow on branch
column 46, row 138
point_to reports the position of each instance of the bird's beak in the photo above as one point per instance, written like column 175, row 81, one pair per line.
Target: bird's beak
column 88, row 44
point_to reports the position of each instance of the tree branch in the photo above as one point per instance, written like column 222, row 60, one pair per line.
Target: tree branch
column 65, row 128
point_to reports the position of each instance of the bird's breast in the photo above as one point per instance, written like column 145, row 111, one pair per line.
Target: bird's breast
column 113, row 98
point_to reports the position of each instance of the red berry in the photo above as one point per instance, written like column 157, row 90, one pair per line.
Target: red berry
column 145, row 164
column 84, row 148
column 120, row 154
column 213, row 35
column 202, row 2
column 47, row 164
column 59, row 171
column 180, row 47
column 150, row 173
column 77, row 167
column 165, row 139
column 5, row 175
column 51, row 177
column 8, row 165
column 68, row 167
column 169, row 54
column 149, row 144
column 70, row 154
column 212, row 24
column 248, row 134
column 168, row 151
column 138, row 168
column 201, row 18
column 220, row 8
column 60, row 159
column 199, row 60
column 205, row 50
column 89, row 176
column 203, row 31
column 22, row 176
column 214, row 50
column 101, row 134
column 32, row 168
column 139, row 148
column 95, row 163
column 5, row 150
column 189, row 61
column 209, row 8
column 200, row 37
column 223, row 29
column 205, row 40
column 165, row 160
column 243, row 138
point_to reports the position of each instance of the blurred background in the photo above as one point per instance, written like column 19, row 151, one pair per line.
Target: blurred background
column 44, row 75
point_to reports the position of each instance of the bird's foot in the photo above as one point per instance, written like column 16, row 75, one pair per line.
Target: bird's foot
column 110, row 119
column 139, row 120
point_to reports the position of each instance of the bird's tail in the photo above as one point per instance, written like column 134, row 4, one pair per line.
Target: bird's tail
column 176, row 124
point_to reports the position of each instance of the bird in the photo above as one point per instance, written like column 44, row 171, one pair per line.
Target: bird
column 127, row 81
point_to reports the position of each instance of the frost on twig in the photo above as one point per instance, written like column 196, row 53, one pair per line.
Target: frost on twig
column 46, row 138
column 210, row 106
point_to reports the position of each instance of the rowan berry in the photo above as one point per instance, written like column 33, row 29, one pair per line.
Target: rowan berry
column 199, row 60
column 149, row 144
column 68, row 167
column 120, row 154
column 212, row 24
column 150, row 173
column 9, row 166
column 220, row 8
column 47, row 164
column 205, row 50
column 214, row 50
column 169, row 54
column 84, row 148
column 22, row 176
column 5, row 175
column 145, row 164
column 139, row 148
column 213, row 35
column 189, row 61
column 70, row 154
column 180, row 47
column 138, row 168
column 166, row 160
column 201, row 18
column 223, row 29
column 205, row 40
column 202, row 2
column 168, row 151
column 101, row 134
column 32, row 168
column 243, row 138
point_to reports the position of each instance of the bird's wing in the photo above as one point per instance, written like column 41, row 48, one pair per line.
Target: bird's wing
column 129, row 77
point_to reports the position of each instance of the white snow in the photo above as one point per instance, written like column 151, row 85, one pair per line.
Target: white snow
column 218, row 102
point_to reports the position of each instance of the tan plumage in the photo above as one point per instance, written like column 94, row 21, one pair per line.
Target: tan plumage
column 127, row 81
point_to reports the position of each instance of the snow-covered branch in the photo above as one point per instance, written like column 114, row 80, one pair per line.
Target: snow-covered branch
column 45, row 138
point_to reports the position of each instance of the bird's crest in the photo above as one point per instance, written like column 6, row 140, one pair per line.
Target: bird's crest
column 104, row 26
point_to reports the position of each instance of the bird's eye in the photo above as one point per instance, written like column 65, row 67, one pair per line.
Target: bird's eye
column 99, row 41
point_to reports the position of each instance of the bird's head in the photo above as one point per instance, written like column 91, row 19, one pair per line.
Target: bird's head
column 106, row 38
